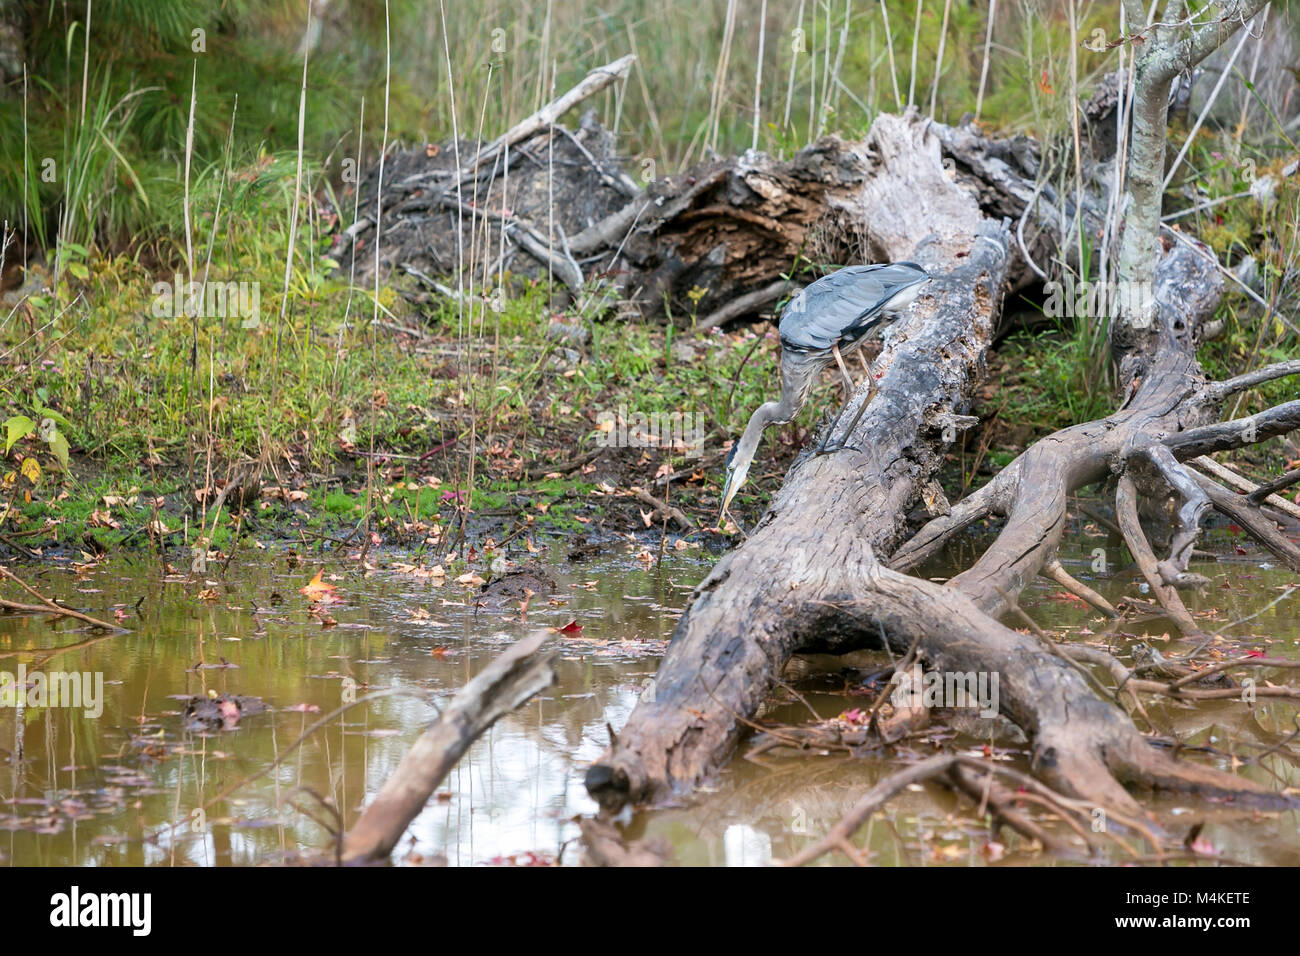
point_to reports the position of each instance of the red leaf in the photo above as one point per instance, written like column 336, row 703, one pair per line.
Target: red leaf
column 573, row 627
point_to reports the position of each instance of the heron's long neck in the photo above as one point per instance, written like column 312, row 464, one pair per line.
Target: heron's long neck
column 763, row 416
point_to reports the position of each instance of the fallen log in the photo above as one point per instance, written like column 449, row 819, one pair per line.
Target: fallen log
column 822, row 571
column 543, row 200
column 505, row 684
column 811, row 576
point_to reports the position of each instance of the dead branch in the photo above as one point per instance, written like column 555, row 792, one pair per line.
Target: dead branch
column 503, row 685
column 1211, row 467
column 748, row 303
column 1260, row 527
column 592, row 83
column 1259, row 376
column 1054, row 571
column 48, row 605
column 1002, row 803
column 1238, row 433
column 1268, row 490
column 662, row 509
column 841, row 835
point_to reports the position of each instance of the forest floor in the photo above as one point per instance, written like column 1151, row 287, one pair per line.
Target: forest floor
column 402, row 422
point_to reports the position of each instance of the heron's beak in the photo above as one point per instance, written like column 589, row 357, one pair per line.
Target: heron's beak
column 728, row 492
column 735, row 478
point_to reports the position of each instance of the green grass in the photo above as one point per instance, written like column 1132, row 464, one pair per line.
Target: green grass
column 119, row 173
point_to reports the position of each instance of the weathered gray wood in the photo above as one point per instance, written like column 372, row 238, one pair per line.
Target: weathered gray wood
column 1239, row 509
column 808, row 577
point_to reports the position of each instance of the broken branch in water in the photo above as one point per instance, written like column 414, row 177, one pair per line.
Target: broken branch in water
column 662, row 509
column 49, row 606
column 1054, row 571
column 506, row 683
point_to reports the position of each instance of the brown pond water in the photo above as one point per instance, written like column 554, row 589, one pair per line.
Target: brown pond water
column 106, row 790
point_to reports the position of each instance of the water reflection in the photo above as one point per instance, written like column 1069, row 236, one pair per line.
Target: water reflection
column 133, row 787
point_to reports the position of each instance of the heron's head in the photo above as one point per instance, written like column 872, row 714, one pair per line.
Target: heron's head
column 737, row 472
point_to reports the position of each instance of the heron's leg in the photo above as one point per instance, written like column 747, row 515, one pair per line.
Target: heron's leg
column 871, row 393
column 826, row 446
column 862, row 360
column 848, row 379
column 830, row 430
column 848, row 395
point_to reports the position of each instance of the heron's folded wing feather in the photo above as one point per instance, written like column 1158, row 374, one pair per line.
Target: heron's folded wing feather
column 845, row 305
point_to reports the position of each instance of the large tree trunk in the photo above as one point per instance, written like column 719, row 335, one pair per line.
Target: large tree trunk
column 815, row 573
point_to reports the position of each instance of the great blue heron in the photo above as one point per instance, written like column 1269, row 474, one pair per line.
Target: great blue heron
column 821, row 324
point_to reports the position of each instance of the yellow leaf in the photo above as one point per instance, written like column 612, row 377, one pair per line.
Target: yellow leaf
column 316, row 589
column 31, row 469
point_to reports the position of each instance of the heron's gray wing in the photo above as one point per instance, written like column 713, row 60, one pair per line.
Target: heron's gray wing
column 845, row 305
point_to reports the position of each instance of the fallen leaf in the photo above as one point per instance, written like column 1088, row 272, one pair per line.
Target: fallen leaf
column 320, row 591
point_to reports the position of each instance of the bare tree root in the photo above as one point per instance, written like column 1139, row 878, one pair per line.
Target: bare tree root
column 1054, row 571
column 1250, row 516
column 1126, row 513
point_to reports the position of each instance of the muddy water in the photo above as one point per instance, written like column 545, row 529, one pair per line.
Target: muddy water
column 130, row 785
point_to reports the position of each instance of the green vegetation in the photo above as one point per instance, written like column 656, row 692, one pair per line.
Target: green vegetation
column 141, row 152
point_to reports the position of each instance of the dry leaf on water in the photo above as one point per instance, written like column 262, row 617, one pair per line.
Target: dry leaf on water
column 319, row 591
